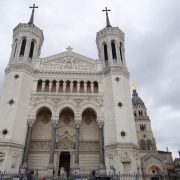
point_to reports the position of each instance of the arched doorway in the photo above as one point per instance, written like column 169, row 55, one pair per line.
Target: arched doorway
column 65, row 135
column 40, row 141
column 89, row 142
column 155, row 172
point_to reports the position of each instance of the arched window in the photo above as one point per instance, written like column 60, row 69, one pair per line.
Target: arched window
column 142, row 144
column 39, row 86
column 113, row 47
column 120, row 50
column 96, row 87
column 31, row 49
column 23, row 46
column 142, row 127
column 135, row 113
column 105, row 53
column 15, row 48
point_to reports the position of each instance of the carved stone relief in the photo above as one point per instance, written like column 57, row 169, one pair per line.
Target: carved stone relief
column 2, row 156
column 124, row 157
column 54, row 103
column 40, row 145
column 68, row 64
column 89, row 146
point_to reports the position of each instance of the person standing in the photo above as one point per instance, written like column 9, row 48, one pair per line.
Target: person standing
column 37, row 173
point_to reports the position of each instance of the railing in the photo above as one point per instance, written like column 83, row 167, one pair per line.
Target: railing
column 16, row 176
column 120, row 177
column 7, row 175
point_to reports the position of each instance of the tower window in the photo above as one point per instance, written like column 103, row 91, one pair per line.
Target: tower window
column 135, row 114
column 105, row 53
column 23, row 45
column 31, row 49
column 142, row 127
column 140, row 113
column 113, row 46
column 120, row 50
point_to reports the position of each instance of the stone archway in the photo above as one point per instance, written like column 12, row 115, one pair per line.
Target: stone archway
column 155, row 172
column 65, row 136
column 40, row 141
column 89, row 141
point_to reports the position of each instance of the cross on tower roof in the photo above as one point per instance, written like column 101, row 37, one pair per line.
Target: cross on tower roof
column 32, row 15
column 107, row 17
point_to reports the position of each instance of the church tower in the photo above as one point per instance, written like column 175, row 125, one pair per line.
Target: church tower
column 120, row 139
column 145, row 136
column 15, row 97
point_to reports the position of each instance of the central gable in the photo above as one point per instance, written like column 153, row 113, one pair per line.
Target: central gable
column 68, row 61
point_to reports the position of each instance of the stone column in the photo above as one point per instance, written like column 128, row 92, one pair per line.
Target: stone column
column 64, row 87
column 85, row 87
column 77, row 126
column 76, row 162
column 53, row 145
column 78, row 87
column 92, row 87
column 43, row 86
column 71, row 87
column 52, row 149
column 27, row 48
column 57, row 87
column 101, row 149
column 27, row 145
column 50, row 86
column 118, row 52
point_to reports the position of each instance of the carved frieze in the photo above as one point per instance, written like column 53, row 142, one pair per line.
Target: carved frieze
column 65, row 143
column 55, row 102
column 89, row 146
column 68, row 63
column 40, row 145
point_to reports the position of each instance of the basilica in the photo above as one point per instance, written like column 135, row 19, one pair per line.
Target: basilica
column 68, row 110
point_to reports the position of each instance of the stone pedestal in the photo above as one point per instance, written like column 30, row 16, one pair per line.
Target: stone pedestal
column 76, row 169
column 102, row 169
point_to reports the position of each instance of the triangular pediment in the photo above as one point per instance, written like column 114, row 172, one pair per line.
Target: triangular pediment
column 68, row 61
column 152, row 157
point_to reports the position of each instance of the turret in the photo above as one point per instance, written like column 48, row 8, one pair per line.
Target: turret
column 119, row 123
column 27, row 41
column 143, row 124
column 110, row 44
column 17, row 87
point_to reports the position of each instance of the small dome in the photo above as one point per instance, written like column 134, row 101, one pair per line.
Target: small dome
column 136, row 100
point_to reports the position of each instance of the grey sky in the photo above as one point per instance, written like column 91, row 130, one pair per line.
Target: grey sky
column 152, row 30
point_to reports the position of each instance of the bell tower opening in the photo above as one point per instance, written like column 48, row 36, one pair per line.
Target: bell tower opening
column 64, row 161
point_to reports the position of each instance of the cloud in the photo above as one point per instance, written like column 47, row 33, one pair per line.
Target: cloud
column 152, row 46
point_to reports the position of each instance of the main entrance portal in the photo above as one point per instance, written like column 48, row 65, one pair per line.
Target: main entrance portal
column 64, row 161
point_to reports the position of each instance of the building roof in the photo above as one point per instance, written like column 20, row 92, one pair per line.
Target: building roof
column 136, row 100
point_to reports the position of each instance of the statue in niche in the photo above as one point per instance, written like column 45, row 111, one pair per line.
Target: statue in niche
column 66, row 120
column 2, row 155
column 88, row 120
column 45, row 120
column 68, row 65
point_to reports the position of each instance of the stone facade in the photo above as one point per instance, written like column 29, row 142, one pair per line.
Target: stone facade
column 70, row 111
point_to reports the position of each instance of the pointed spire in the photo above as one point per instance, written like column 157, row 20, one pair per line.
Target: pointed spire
column 107, row 17
column 31, row 21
